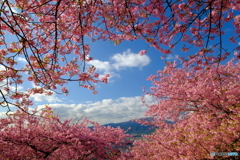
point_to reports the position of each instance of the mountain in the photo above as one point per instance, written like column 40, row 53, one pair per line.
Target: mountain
column 135, row 128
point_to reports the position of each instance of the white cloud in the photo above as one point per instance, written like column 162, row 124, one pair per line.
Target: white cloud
column 105, row 111
column 42, row 98
column 3, row 114
column 172, row 57
column 121, row 61
column 23, row 60
column 2, row 68
column 129, row 59
column 101, row 65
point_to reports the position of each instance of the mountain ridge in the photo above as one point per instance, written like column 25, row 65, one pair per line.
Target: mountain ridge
column 133, row 128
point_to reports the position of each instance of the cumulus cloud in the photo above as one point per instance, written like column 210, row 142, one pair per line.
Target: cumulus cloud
column 101, row 65
column 4, row 115
column 121, row 61
column 129, row 59
column 105, row 111
column 2, row 68
column 172, row 57
column 43, row 98
column 23, row 60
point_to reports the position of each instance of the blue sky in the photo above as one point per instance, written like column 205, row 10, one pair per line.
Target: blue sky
column 117, row 101
column 120, row 99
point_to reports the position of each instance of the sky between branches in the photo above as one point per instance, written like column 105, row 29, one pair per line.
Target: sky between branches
column 120, row 99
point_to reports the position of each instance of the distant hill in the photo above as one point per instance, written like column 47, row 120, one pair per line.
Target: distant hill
column 136, row 128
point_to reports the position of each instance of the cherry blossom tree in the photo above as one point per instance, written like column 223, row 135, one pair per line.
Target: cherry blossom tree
column 53, row 37
column 47, row 33
column 44, row 136
column 204, row 103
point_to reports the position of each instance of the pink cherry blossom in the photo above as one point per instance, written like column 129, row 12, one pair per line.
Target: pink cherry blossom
column 54, row 38
column 42, row 135
column 203, row 101
column 142, row 52
column 64, row 90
